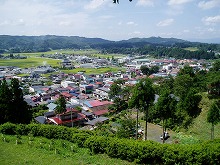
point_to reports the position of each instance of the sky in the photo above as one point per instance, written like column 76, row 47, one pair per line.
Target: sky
column 183, row 19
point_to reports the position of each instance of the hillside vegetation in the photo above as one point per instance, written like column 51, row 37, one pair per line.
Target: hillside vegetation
column 200, row 128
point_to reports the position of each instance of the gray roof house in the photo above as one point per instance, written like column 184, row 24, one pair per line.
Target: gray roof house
column 51, row 106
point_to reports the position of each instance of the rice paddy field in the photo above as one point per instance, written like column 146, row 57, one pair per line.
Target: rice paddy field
column 35, row 59
column 29, row 62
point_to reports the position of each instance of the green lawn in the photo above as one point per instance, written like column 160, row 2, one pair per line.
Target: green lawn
column 41, row 151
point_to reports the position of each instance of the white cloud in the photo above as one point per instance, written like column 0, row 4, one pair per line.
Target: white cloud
column 38, row 17
column 94, row 4
column 209, row 4
column 165, row 22
column 131, row 23
column 211, row 20
column 145, row 3
column 178, row 2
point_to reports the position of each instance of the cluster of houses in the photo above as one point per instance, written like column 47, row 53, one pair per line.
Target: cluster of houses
column 86, row 95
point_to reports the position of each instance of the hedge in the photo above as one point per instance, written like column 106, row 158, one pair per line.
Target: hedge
column 49, row 131
column 141, row 152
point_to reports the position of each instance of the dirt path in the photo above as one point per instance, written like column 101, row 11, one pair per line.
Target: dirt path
column 155, row 131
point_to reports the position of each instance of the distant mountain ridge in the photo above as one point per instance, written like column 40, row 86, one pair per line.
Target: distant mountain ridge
column 156, row 40
column 47, row 42
column 84, row 40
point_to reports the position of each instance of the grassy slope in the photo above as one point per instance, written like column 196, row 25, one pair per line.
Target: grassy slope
column 201, row 129
column 10, row 153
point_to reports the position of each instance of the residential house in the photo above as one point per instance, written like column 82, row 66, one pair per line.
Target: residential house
column 52, row 106
column 87, row 89
column 65, row 84
column 101, row 93
column 66, row 63
column 69, row 118
column 97, row 107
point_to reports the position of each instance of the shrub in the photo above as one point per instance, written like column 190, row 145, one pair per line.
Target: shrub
column 8, row 128
column 141, row 152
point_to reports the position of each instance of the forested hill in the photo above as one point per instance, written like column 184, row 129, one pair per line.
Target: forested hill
column 156, row 46
column 45, row 43
column 157, row 40
column 42, row 43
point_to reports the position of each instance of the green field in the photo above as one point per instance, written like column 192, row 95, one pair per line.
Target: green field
column 192, row 49
column 88, row 71
column 44, row 151
column 34, row 60
column 29, row 62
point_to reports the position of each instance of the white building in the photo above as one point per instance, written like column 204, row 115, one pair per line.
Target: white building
column 65, row 84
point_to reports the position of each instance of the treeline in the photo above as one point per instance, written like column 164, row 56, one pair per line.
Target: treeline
column 141, row 152
column 165, row 52
column 13, row 108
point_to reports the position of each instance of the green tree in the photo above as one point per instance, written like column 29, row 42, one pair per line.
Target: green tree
column 214, row 84
column 142, row 97
column 191, row 103
column 126, row 128
column 119, row 93
column 145, row 70
column 6, row 109
column 216, row 66
column 154, row 69
column 21, row 111
column 116, row 89
column 187, row 70
column 213, row 116
column 188, row 108
column 182, row 84
column 167, row 83
column 61, row 105
column 166, row 106
column 13, row 108
column 118, row 105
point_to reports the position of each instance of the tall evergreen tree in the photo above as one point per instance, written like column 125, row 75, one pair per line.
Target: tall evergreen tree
column 5, row 102
column 21, row 111
column 166, row 106
column 142, row 97
column 13, row 108
column 61, row 105
column 213, row 117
